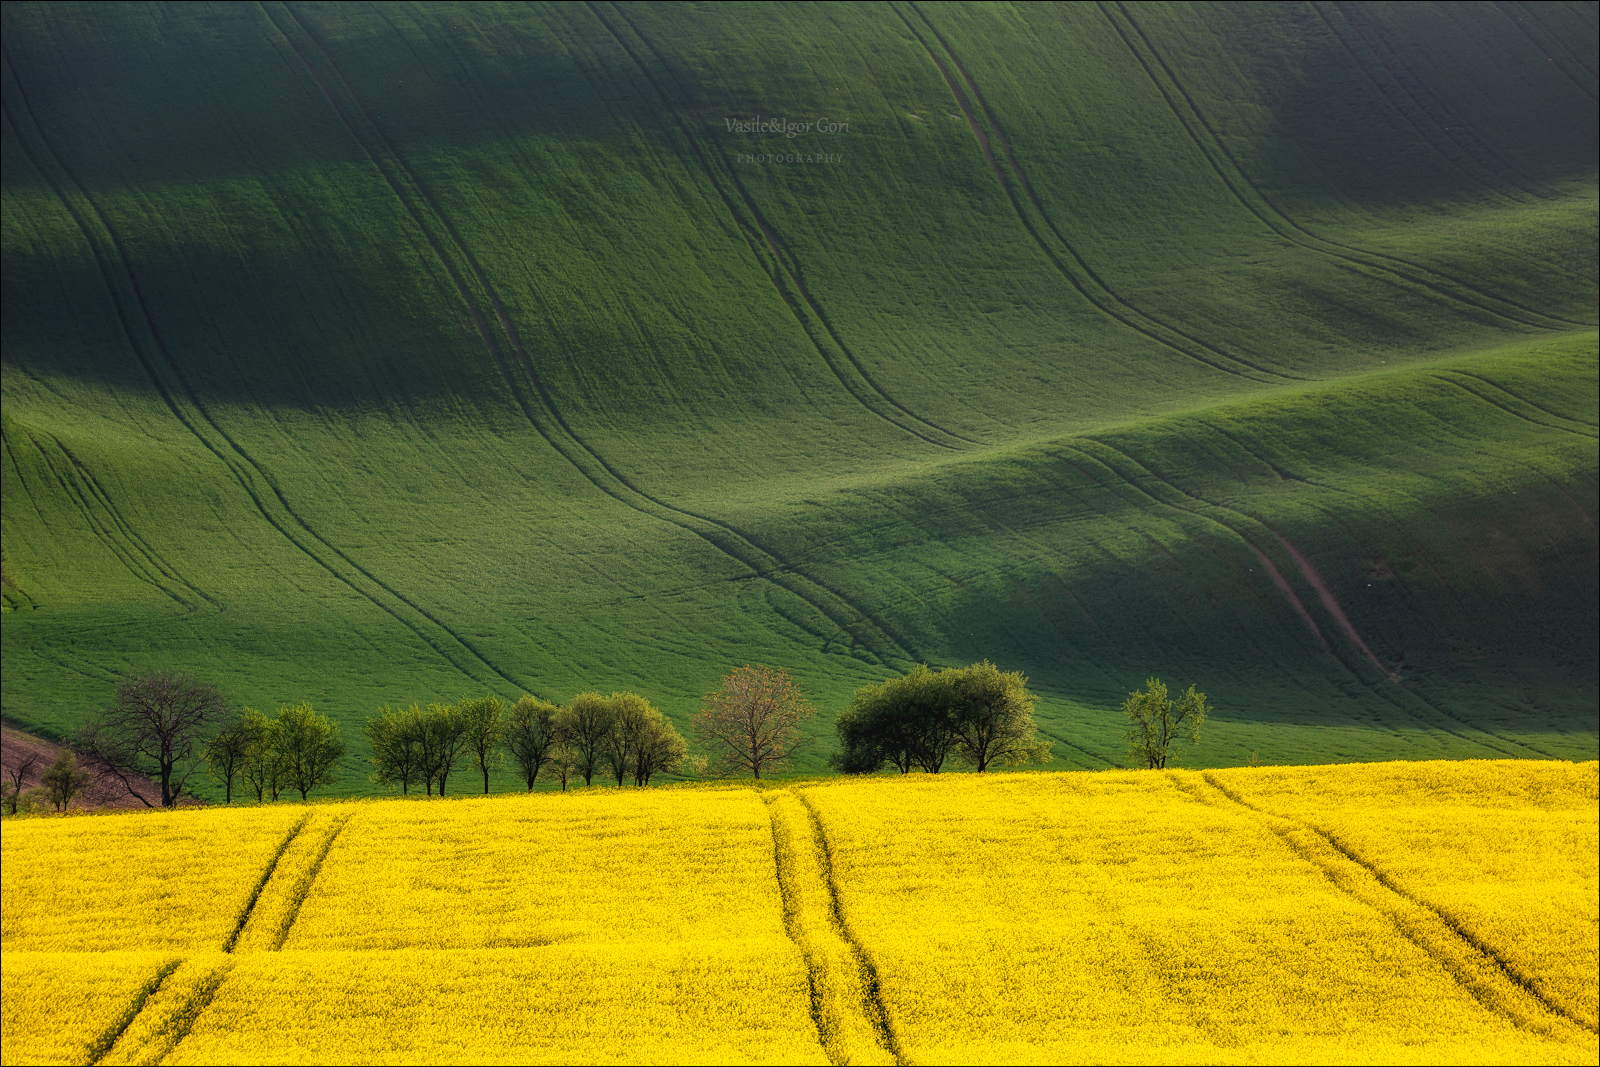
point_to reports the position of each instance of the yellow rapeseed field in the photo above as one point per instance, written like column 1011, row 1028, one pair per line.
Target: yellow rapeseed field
column 1439, row 912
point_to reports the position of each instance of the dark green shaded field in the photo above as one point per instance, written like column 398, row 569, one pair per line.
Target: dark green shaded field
column 375, row 354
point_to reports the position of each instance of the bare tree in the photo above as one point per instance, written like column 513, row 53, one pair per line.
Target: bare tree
column 18, row 770
column 154, row 727
column 753, row 722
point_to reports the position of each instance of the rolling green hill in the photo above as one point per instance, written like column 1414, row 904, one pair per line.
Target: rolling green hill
column 368, row 354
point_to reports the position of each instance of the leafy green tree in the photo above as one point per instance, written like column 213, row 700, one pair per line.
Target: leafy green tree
column 907, row 721
column 483, row 730
column 226, row 753
column 1154, row 721
column 262, row 766
column 309, row 747
column 659, row 748
column 443, row 735
column 63, row 780
column 532, row 735
column 977, row 714
column 586, row 724
column 752, row 722
column 993, row 716
column 630, row 720
column 395, row 735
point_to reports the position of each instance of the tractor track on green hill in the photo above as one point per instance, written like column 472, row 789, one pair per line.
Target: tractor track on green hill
column 150, row 349
column 872, row 634
column 1236, row 180
column 786, row 273
column 1586, row 85
column 1386, row 693
column 115, row 532
column 1452, row 377
column 1278, row 580
column 1062, row 254
column 1432, row 110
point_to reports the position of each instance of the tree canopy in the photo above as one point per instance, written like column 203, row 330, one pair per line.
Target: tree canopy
column 753, row 721
column 1155, row 721
column 979, row 715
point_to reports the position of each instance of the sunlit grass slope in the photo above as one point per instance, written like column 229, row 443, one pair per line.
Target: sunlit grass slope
column 371, row 354
column 1426, row 912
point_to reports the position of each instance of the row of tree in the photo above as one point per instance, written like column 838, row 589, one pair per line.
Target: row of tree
column 297, row 749
column 164, row 725
column 620, row 735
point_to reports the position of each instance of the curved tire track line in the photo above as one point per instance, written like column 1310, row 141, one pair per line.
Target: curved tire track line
column 302, row 889
column 1507, row 968
column 786, row 270
column 261, row 883
column 98, row 492
column 112, row 1034
column 1556, row 37
column 72, row 489
column 1401, row 74
column 1587, row 89
column 722, row 536
column 1094, row 290
column 1378, row 691
column 1413, row 274
column 877, row 1011
column 242, row 466
column 1449, row 377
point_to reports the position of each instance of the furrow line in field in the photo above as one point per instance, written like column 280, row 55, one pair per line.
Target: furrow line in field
column 787, row 272
column 779, row 261
column 302, row 888
column 722, row 536
column 261, row 883
column 1438, row 924
column 876, row 1011
column 113, row 1033
column 1388, row 87
column 157, row 560
column 1237, row 180
column 147, row 343
column 1585, row 84
column 1381, row 691
column 176, row 1023
column 838, row 995
column 72, row 490
column 1427, row 103
column 1090, row 285
column 1450, row 378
